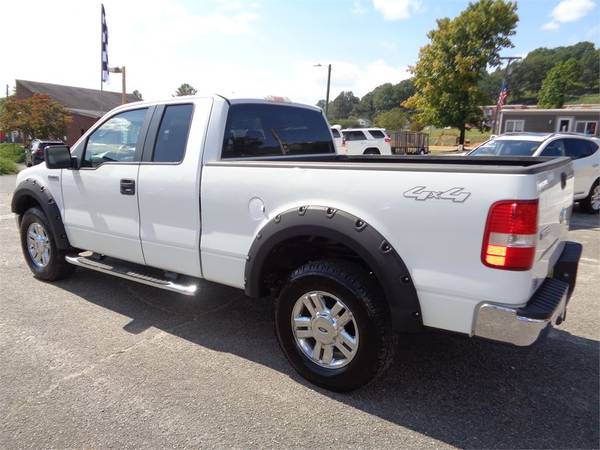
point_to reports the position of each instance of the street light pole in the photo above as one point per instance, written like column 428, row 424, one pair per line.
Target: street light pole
column 121, row 70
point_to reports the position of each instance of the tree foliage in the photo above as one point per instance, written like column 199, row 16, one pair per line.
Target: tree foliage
column 342, row 105
column 394, row 119
column 559, row 80
column 185, row 89
column 37, row 116
column 525, row 81
column 450, row 67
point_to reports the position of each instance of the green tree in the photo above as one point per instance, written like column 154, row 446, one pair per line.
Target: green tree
column 342, row 105
column 185, row 89
column 394, row 119
column 37, row 116
column 559, row 80
column 455, row 60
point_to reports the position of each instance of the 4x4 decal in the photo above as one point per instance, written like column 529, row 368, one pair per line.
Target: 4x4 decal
column 457, row 194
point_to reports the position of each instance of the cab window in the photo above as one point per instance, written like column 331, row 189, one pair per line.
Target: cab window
column 116, row 140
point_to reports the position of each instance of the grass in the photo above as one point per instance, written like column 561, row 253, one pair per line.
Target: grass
column 443, row 137
column 10, row 155
column 585, row 99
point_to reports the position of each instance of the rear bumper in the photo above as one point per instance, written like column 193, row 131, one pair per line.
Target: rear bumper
column 522, row 326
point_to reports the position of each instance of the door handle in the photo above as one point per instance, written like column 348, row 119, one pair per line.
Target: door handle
column 127, row 187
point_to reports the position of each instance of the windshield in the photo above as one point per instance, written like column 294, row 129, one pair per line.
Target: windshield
column 505, row 147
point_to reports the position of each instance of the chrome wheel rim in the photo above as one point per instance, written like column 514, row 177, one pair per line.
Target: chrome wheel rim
column 325, row 329
column 38, row 244
column 596, row 198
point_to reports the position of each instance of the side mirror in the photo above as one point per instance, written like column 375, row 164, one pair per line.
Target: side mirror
column 58, row 157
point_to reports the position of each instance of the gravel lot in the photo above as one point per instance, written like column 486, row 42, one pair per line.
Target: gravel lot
column 95, row 361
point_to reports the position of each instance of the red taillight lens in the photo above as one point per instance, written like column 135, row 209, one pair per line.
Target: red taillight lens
column 388, row 140
column 510, row 235
column 343, row 142
column 39, row 151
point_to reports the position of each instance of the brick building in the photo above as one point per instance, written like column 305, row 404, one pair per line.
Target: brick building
column 86, row 106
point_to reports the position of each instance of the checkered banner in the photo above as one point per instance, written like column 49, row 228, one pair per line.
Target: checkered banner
column 104, row 47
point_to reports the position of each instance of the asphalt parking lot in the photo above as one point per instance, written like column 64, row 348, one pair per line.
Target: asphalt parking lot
column 96, row 361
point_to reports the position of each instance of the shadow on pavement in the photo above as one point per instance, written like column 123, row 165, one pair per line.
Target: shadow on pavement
column 584, row 221
column 467, row 393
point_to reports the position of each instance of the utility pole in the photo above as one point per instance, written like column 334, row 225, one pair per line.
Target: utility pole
column 121, row 70
column 328, row 86
column 507, row 71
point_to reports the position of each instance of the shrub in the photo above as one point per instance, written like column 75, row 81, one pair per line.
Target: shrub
column 7, row 166
column 12, row 152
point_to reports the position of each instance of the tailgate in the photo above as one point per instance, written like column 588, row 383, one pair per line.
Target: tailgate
column 555, row 189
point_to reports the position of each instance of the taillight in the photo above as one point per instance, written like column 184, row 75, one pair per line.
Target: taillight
column 343, row 141
column 510, row 235
column 387, row 139
column 39, row 151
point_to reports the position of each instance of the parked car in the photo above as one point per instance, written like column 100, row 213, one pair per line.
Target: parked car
column 581, row 149
column 355, row 249
column 34, row 154
column 336, row 132
column 366, row 141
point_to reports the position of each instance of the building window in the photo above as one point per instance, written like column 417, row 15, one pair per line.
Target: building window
column 514, row 126
column 588, row 127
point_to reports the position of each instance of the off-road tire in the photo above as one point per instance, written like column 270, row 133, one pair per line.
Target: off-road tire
column 363, row 297
column 57, row 268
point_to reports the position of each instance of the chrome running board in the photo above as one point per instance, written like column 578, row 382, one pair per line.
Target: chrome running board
column 122, row 270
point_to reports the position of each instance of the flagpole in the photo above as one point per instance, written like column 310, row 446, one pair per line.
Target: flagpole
column 101, row 49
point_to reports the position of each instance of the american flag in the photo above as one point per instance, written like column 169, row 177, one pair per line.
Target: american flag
column 503, row 95
column 104, row 46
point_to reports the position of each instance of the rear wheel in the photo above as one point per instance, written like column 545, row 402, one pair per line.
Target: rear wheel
column 45, row 260
column 591, row 203
column 333, row 326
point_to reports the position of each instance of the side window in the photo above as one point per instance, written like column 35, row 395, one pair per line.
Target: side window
column 554, row 148
column 255, row 130
column 115, row 140
column 578, row 148
column 354, row 135
column 377, row 134
column 172, row 134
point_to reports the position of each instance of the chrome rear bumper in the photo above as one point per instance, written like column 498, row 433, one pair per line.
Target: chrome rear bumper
column 522, row 326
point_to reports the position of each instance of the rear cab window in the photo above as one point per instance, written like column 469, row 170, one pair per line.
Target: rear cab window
column 261, row 130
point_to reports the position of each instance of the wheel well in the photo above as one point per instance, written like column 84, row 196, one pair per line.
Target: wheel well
column 24, row 203
column 294, row 252
column 372, row 151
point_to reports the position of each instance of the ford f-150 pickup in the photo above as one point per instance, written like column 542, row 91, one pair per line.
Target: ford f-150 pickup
column 355, row 250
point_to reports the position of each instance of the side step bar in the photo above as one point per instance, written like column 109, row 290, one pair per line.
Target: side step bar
column 123, row 271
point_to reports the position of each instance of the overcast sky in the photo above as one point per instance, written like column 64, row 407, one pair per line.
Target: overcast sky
column 255, row 47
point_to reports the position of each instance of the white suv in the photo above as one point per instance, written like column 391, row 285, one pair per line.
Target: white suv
column 366, row 141
column 582, row 150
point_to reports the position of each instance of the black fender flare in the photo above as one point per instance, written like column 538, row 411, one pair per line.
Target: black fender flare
column 21, row 201
column 355, row 233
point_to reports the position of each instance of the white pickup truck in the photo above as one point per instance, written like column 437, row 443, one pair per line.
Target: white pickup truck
column 356, row 250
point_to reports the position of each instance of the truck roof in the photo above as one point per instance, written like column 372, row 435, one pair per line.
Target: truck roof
column 232, row 99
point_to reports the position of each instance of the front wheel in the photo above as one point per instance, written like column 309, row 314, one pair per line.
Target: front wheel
column 45, row 260
column 591, row 203
column 333, row 326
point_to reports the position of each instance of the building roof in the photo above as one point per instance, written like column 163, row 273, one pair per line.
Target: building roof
column 83, row 101
column 529, row 109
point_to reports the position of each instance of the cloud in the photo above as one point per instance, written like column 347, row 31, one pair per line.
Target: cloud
column 551, row 26
column 397, row 9
column 568, row 11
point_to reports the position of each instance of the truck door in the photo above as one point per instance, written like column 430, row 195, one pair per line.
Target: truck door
column 100, row 198
column 169, row 186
